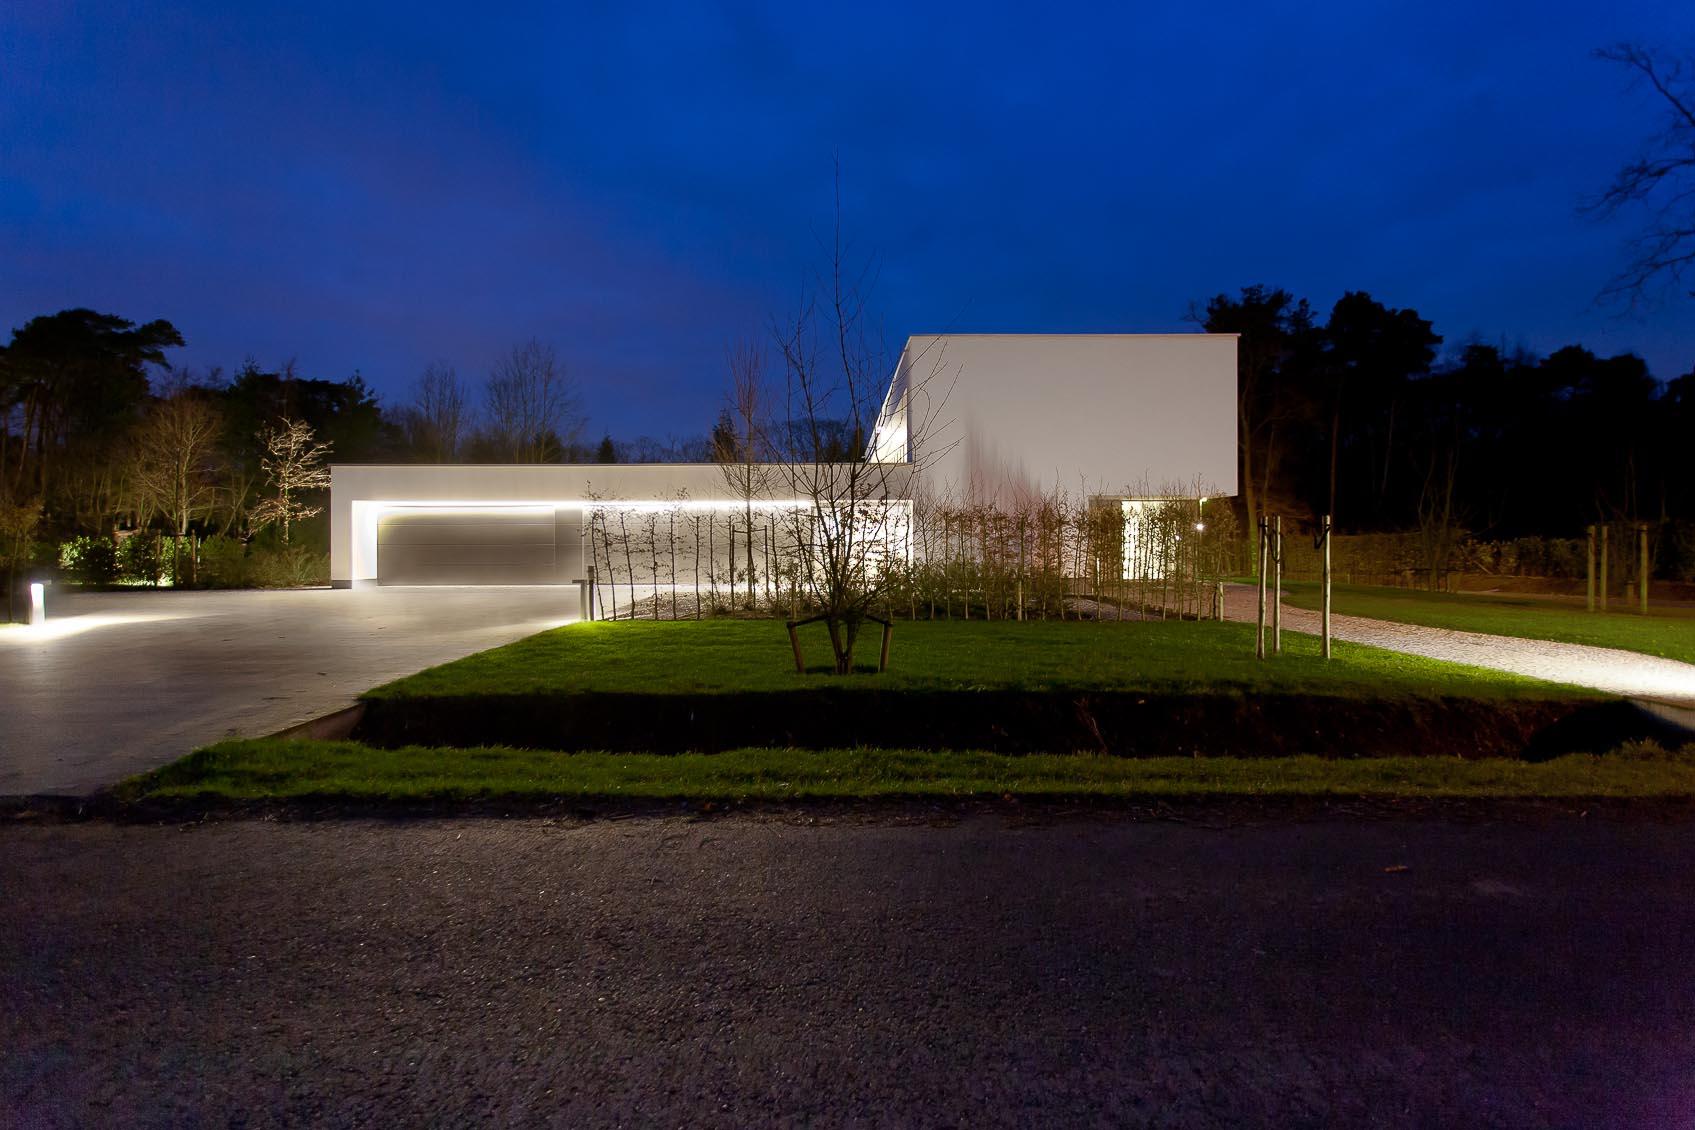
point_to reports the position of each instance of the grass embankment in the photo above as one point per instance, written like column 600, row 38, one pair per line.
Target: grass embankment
column 1668, row 633
column 740, row 656
column 1135, row 689
column 275, row 770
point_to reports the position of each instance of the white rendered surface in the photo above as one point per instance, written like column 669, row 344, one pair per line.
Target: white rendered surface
column 1126, row 415
column 361, row 493
column 989, row 417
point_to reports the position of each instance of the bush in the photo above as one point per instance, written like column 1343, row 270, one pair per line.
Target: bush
column 89, row 560
column 223, row 563
column 1676, row 557
column 140, row 559
column 289, row 567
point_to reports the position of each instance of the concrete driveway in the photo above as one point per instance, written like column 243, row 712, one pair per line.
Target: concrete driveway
column 120, row 682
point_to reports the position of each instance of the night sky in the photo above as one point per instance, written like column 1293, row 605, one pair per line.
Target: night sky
column 369, row 191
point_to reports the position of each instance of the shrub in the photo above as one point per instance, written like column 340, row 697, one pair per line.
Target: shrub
column 288, row 567
column 140, row 559
column 1676, row 557
column 223, row 563
column 89, row 560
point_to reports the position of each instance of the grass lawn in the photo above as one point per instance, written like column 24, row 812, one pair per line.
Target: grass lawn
column 271, row 769
column 753, row 655
column 1670, row 635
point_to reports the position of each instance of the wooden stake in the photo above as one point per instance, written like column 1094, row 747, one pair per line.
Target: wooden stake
column 1642, row 571
column 1589, row 575
column 1277, row 587
column 794, row 643
column 1604, row 556
column 1259, row 630
column 1327, row 586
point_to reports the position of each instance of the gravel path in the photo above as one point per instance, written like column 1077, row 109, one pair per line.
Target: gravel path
column 750, row 971
column 1625, row 673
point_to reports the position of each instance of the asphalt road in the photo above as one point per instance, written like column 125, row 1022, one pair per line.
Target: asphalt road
column 120, row 682
column 747, row 970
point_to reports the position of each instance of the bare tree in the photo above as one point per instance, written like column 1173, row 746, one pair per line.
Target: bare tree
column 740, row 444
column 436, row 419
column 172, row 465
column 854, row 521
column 1660, row 180
column 534, row 410
column 293, row 465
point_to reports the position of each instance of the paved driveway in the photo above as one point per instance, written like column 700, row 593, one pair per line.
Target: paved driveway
column 120, row 682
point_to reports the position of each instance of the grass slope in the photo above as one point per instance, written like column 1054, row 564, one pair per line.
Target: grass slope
column 271, row 769
column 737, row 655
column 1670, row 635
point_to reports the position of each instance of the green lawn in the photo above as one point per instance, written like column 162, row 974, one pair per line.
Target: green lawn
column 753, row 655
column 271, row 769
column 1670, row 635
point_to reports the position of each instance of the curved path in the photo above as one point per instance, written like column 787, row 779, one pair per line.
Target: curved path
column 1627, row 673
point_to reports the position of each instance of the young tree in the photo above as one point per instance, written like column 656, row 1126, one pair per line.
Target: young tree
column 739, row 443
column 854, row 522
column 534, row 409
column 607, row 452
column 172, row 468
column 1660, row 180
column 293, row 465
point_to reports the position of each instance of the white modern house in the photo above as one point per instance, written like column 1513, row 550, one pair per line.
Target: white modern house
column 990, row 418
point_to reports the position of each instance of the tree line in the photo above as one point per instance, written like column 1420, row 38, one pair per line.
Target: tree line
column 1357, row 414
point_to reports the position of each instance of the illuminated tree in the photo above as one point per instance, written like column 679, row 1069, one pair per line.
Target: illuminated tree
column 173, row 467
column 18, row 522
column 293, row 464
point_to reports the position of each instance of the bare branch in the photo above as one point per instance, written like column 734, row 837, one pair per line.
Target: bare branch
column 1661, row 180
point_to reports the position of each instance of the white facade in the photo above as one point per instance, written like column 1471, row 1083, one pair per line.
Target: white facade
column 986, row 418
column 996, row 417
column 363, row 496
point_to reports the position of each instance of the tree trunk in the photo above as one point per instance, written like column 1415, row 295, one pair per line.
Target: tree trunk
column 1335, row 434
column 1250, row 500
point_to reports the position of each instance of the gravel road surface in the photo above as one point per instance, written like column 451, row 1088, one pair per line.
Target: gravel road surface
column 906, row 970
column 1627, row 673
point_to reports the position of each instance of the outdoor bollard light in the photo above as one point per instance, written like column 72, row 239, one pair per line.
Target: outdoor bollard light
column 37, row 604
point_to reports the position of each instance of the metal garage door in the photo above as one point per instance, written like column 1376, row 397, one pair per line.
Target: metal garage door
column 508, row 546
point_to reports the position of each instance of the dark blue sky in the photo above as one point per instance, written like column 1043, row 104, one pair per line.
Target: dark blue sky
column 371, row 190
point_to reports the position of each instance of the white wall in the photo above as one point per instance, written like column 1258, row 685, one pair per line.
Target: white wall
column 1109, row 414
column 361, row 492
column 1099, row 414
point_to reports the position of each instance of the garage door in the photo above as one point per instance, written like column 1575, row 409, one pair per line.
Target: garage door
column 508, row 546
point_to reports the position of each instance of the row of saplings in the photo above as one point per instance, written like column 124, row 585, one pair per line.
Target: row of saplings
column 1080, row 565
